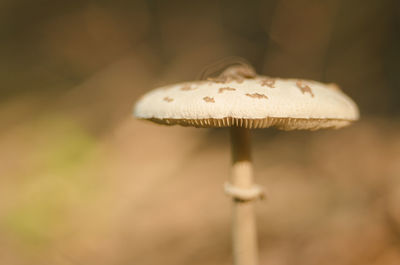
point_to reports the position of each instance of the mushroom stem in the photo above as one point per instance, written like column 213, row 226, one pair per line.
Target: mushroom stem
column 243, row 219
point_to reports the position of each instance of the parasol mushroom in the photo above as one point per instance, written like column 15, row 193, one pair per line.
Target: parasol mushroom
column 242, row 100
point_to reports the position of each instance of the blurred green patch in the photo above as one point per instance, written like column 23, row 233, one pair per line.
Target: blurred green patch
column 63, row 161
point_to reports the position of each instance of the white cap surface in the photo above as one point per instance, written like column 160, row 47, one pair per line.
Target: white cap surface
column 251, row 102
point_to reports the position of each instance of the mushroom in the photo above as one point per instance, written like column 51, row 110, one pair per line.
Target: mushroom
column 242, row 100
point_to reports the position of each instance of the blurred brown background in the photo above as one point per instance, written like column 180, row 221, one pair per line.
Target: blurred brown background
column 82, row 182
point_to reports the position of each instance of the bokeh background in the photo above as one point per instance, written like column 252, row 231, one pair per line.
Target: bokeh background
column 82, row 182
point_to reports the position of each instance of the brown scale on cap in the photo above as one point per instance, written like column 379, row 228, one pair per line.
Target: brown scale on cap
column 268, row 82
column 187, row 87
column 235, row 73
column 304, row 88
column 209, row 100
column 167, row 99
column 222, row 89
column 257, row 95
column 334, row 87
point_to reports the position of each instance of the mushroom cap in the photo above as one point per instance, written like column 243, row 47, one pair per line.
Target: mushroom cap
column 250, row 101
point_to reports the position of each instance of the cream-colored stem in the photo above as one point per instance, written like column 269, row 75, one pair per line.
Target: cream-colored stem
column 244, row 227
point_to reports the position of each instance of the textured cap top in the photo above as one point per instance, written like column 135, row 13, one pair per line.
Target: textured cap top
column 239, row 97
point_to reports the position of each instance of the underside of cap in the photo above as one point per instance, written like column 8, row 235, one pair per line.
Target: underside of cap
column 286, row 124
